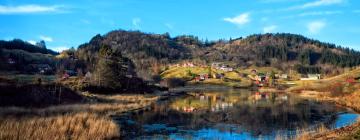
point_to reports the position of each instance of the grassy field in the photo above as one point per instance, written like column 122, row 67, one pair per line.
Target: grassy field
column 231, row 79
column 183, row 72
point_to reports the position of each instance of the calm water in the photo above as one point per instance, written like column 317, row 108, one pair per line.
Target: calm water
column 232, row 114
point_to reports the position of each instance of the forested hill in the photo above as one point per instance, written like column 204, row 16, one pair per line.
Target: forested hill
column 284, row 51
column 290, row 47
column 21, row 56
column 22, row 45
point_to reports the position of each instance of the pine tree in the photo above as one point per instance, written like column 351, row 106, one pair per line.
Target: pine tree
column 111, row 69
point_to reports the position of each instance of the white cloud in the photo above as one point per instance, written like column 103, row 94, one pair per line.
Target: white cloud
column 320, row 13
column 240, row 19
column 322, row 3
column 269, row 29
column 136, row 22
column 33, row 42
column 315, row 26
column 317, row 3
column 21, row 9
column 59, row 48
column 46, row 38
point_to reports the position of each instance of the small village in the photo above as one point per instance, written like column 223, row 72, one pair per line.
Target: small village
column 215, row 70
column 218, row 70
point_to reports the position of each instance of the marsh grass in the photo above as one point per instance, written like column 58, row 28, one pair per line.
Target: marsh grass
column 76, row 121
column 80, row 126
column 304, row 134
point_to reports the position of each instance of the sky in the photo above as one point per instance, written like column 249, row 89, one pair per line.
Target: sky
column 68, row 23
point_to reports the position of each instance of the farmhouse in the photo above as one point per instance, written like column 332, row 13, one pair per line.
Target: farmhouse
column 202, row 77
column 226, row 68
column 220, row 66
column 310, row 77
column 281, row 76
column 188, row 64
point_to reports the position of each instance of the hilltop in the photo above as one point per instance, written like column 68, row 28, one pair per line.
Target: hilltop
column 151, row 53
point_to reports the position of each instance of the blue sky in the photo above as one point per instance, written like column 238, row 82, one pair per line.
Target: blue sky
column 66, row 23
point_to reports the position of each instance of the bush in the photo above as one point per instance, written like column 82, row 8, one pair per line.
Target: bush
column 156, row 78
column 175, row 82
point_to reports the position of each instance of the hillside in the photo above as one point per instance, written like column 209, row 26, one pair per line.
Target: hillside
column 18, row 44
column 21, row 56
column 152, row 52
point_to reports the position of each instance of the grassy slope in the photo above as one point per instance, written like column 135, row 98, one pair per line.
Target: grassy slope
column 338, row 90
column 231, row 78
column 328, row 84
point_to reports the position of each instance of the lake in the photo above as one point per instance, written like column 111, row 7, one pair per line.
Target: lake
column 233, row 114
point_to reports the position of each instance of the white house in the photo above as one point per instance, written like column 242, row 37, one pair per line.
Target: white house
column 311, row 77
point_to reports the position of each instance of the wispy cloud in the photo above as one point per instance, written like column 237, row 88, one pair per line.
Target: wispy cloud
column 240, row 19
column 169, row 26
column 269, row 29
column 32, row 8
column 33, row 42
column 276, row 1
column 315, row 27
column 316, row 3
column 356, row 11
column 46, row 38
column 320, row 13
column 136, row 22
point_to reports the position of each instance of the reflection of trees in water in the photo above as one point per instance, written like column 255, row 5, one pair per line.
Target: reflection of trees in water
column 257, row 117
column 264, row 120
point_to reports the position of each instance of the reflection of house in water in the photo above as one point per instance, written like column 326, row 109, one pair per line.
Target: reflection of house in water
column 272, row 96
column 201, row 102
column 189, row 109
column 217, row 102
column 259, row 96
column 221, row 106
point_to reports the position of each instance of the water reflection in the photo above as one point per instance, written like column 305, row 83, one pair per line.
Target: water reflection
column 238, row 114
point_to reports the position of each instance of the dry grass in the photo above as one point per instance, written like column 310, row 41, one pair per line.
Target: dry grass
column 304, row 134
column 80, row 126
column 338, row 90
column 183, row 72
column 78, row 121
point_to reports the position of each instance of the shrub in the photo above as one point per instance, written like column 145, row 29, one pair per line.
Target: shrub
column 175, row 82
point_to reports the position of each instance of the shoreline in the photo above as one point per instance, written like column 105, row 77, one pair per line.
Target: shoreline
column 339, row 133
column 114, row 101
